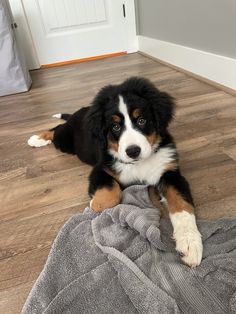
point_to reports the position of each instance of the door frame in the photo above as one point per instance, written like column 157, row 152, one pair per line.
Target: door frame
column 130, row 21
column 26, row 40
column 24, row 37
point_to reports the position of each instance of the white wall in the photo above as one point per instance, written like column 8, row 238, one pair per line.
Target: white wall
column 208, row 25
column 198, row 36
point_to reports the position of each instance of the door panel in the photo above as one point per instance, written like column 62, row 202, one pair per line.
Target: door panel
column 57, row 15
column 64, row 30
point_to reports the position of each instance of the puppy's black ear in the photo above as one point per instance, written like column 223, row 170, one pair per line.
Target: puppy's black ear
column 95, row 120
column 163, row 107
column 95, row 117
column 161, row 103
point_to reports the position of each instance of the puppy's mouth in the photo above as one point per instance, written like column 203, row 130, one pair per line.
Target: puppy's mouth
column 131, row 162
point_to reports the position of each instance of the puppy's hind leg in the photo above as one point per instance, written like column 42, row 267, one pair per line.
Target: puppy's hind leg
column 63, row 116
column 43, row 139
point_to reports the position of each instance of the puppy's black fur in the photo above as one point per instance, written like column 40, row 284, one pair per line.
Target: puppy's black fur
column 124, row 136
column 84, row 133
column 88, row 131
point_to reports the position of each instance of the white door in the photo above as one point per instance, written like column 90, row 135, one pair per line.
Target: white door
column 64, row 30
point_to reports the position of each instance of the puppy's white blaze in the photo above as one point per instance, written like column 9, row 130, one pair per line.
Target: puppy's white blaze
column 130, row 136
column 147, row 170
column 187, row 237
column 36, row 141
column 124, row 111
column 57, row 115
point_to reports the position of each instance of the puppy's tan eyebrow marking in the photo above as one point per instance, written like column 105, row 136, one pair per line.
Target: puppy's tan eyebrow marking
column 136, row 113
column 116, row 119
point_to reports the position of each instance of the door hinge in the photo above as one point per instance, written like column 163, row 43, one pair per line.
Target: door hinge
column 124, row 13
column 14, row 25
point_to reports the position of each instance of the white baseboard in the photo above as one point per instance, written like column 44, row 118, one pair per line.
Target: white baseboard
column 219, row 69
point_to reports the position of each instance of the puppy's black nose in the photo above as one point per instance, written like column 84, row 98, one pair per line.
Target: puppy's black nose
column 133, row 151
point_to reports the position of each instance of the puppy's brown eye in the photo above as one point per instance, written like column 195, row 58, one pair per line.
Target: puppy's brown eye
column 141, row 121
column 116, row 127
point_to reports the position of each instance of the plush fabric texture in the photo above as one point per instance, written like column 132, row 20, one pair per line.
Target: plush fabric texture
column 124, row 261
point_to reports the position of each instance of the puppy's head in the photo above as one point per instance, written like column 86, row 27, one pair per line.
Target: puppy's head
column 131, row 118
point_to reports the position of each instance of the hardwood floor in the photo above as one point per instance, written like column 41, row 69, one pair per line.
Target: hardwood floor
column 40, row 189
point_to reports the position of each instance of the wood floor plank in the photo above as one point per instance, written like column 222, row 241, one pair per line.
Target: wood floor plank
column 40, row 189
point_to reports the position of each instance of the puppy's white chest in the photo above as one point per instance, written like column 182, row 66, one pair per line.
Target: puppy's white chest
column 148, row 171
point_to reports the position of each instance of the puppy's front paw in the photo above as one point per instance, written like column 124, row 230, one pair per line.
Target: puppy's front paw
column 189, row 245
column 106, row 198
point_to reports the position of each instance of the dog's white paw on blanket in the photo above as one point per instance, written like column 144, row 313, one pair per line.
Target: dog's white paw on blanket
column 124, row 261
column 189, row 245
column 187, row 237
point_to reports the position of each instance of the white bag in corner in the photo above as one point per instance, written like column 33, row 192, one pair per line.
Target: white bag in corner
column 14, row 77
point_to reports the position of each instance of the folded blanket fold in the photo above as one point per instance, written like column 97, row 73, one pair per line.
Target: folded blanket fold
column 123, row 261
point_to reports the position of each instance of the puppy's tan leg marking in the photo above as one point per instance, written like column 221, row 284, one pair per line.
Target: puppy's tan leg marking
column 106, row 198
column 43, row 139
column 175, row 201
column 47, row 135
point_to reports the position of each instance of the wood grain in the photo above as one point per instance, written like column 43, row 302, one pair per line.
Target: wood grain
column 40, row 189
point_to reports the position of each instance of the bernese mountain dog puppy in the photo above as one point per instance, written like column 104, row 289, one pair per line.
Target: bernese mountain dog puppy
column 124, row 136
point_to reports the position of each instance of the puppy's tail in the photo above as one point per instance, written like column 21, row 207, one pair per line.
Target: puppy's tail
column 63, row 116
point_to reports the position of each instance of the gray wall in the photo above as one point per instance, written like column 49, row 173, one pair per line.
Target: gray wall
column 208, row 25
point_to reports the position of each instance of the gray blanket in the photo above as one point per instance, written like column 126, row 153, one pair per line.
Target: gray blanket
column 124, row 261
